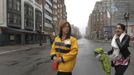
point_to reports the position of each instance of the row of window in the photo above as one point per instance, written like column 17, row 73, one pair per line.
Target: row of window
column 14, row 5
column 48, row 5
column 28, row 16
column 14, row 19
column 47, row 21
column 14, row 15
column 48, row 13
column 38, row 17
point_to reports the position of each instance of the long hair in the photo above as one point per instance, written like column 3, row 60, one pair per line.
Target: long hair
column 61, row 27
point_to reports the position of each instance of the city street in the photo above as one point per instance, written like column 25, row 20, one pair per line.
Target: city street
column 36, row 61
column 87, row 64
column 26, row 62
column 29, row 27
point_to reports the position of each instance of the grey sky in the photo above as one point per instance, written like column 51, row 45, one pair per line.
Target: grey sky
column 78, row 12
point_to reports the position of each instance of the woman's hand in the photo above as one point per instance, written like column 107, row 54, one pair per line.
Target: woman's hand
column 57, row 59
column 117, row 36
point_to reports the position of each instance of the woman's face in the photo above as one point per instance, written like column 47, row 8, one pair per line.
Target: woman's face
column 119, row 30
column 65, row 29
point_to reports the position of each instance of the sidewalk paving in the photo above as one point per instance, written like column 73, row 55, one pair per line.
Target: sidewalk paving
column 13, row 48
column 132, row 44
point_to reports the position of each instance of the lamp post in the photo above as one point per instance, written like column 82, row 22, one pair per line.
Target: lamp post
column 111, row 17
column 126, row 17
column 40, row 34
column 54, row 32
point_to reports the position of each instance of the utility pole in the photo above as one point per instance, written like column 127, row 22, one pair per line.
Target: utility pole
column 126, row 17
column 40, row 34
column 43, row 11
column 111, row 17
column 43, row 23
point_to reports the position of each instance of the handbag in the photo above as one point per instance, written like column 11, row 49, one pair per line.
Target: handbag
column 54, row 65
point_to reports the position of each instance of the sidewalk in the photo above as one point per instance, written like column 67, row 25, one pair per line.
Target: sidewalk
column 132, row 44
column 13, row 48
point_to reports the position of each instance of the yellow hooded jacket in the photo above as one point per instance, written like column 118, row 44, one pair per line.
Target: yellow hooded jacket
column 67, row 50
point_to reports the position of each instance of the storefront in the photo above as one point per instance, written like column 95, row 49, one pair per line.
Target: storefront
column 11, row 36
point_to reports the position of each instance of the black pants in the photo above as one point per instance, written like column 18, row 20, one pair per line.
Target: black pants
column 120, row 69
column 64, row 73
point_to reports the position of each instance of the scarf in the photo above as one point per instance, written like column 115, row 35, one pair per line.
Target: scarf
column 116, row 52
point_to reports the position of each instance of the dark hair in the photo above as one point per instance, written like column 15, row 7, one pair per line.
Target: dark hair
column 122, row 26
column 61, row 27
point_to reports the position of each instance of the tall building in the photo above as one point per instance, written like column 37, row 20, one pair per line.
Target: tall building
column 122, row 7
column 25, row 21
column 75, row 31
column 89, row 28
column 29, row 21
column 117, row 9
column 59, row 12
column 108, row 27
column 48, row 17
column 98, row 21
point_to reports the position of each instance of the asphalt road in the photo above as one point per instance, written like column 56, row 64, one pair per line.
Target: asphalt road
column 36, row 61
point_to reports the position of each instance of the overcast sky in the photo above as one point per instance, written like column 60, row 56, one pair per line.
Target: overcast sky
column 78, row 12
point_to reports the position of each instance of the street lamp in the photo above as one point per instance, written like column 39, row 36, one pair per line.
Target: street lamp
column 126, row 17
column 54, row 33
column 40, row 34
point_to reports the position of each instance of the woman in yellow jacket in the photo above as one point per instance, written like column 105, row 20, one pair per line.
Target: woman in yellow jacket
column 64, row 50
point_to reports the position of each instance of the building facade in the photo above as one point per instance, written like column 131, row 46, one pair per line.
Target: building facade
column 48, row 27
column 30, row 21
column 122, row 7
column 48, row 19
column 117, row 9
column 25, row 21
column 59, row 12
column 75, row 31
column 98, row 21
column 107, row 14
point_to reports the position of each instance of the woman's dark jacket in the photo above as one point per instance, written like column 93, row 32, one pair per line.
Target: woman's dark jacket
column 123, row 46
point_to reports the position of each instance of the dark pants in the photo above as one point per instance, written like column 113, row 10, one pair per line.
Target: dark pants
column 120, row 70
column 64, row 73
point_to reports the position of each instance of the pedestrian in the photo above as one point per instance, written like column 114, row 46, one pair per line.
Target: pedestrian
column 64, row 50
column 104, row 59
column 51, row 38
column 106, row 36
column 120, row 55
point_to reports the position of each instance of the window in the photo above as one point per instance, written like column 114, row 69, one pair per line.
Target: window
column 18, row 5
column 55, row 6
column 14, row 13
column 47, row 20
column 19, row 20
column 12, row 37
column 28, row 14
column 10, row 4
column 48, row 13
column 10, row 18
column 38, row 19
column 15, row 19
column 48, row 5
column 14, row 5
column 39, row 1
